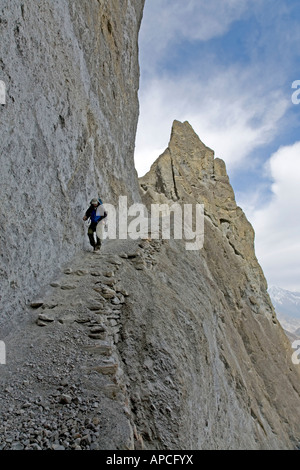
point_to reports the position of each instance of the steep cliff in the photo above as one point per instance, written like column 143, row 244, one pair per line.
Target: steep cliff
column 146, row 345
column 152, row 346
column 221, row 374
column 67, row 129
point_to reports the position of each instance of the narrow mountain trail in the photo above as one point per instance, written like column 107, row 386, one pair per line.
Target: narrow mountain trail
column 138, row 347
column 63, row 385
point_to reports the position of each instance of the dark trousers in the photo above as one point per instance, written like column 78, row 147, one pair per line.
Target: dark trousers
column 91, row 231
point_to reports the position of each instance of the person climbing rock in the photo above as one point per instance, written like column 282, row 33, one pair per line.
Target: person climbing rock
column 95, row 213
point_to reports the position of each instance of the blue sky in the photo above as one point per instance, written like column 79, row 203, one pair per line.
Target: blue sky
column 227, row 67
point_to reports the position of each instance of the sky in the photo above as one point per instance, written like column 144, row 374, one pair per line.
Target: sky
column 231, row 69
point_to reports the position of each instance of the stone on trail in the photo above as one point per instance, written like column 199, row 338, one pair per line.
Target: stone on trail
column 81, row 272
column 58, row 447
column 114, row 261
column 97, row 335
column 98, row 329
column 68, row 286
column 108, row 293
column 93, row 306
column 68, row 271
column 65, row 399
column 109, row 274
column 45, row 317
column 106, row 369
column 36, row 303
column 17, row 446
column 41, row 323
column 54, row 284
column 122, row 291
column 110, row 282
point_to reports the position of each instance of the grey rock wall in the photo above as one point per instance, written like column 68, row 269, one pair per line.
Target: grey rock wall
column 210, row 365
column 197, row 357
column 67, row 129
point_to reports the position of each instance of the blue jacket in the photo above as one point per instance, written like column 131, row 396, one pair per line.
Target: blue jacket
column 96, row 214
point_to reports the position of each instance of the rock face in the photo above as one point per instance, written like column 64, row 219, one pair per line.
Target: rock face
column 188, row 172
column 145, row 345
column 167, row 352
column 215, row 362
column 67, row 129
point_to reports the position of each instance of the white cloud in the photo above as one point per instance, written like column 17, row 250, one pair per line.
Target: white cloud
column 231, row 112
column 234, row 107
column 277, row 224
column 236, row 99
column 170, row 21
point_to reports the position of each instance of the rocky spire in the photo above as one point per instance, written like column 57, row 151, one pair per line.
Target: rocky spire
column 188, row 172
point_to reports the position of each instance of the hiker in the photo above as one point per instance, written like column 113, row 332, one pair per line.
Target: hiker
column 95, row 213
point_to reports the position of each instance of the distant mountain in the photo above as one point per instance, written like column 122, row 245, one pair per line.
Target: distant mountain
column 287, row 307
column 292, row 336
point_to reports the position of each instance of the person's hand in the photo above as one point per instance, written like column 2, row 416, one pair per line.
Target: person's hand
column 84, row 218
